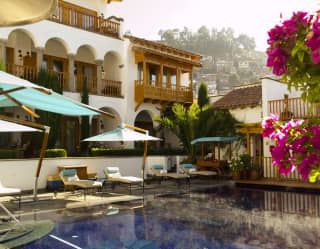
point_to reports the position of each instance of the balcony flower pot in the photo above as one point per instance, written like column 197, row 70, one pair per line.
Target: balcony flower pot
column 236, row 175
column 254, row 174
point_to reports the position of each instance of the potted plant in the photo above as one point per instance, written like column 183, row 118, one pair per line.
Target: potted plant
column 236, row 167
column 255, row 171
column 246, row 161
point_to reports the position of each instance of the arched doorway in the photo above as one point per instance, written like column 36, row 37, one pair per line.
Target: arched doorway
column 103, row 124
column 144, row 121
column 85, row 68
column 21, row 56
column 70, row 135
column 55, row 60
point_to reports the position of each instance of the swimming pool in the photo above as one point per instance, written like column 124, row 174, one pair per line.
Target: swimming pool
column 223, row 217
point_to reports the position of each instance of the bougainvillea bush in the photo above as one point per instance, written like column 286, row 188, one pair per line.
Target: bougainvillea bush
column 294, row 53
column 297, row 146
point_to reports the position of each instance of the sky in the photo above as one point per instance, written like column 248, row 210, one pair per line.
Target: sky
column 144, row 18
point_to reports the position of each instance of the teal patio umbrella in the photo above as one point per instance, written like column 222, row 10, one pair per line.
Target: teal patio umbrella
column 126, row 133
column 15, row 91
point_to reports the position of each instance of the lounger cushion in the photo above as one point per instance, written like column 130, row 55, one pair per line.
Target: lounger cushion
column 115, row 175
column 163, row 171
column 187, row 165
column 73, row 178
column 69, row 172
column 112, row 170
column 9, row 191
column 192, row 170
column 157, row 166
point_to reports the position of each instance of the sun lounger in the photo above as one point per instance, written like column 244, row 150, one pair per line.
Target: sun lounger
column 190, row 170
column 69, row 177
column 15, row 192
column 113, row 175
column 159, row 171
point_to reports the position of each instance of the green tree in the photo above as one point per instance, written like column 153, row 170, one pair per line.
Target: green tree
column 203, row 98
column 53, row 120
column 85, row 126
column 189, row 124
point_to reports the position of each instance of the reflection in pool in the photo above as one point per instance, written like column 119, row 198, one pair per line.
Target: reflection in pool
column 224, row 217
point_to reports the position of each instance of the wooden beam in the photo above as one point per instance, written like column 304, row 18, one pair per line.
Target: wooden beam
column 138, row 105
column 248, row 144
column 20, row 105
column 11, row 90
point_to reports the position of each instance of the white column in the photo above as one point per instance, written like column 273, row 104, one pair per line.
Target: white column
column 40, row 51
column 99, row 64
column 71, row 79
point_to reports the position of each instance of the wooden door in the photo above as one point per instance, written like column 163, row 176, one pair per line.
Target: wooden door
column 9, row 59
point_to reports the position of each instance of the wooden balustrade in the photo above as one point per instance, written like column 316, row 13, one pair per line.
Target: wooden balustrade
column 76, row 16
column 63, row 79
column 296, row 203
column 111, row 88
column 154, row 92
column 24, row 72
column 90, row 80
column 271, row 171
column 295, row 108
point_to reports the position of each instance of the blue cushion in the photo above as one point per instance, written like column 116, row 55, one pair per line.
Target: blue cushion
column 157, row 166
column 187, row 165
column 112, row 170
column 69, row 172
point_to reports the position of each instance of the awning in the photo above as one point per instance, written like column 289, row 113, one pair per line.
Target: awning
column 20, row 91
column 121, row 134
column 213, row 139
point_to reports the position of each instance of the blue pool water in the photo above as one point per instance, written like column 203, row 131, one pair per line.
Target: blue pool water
column 222, row 218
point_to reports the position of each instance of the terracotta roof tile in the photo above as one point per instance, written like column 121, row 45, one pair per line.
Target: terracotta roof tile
column 240, row 97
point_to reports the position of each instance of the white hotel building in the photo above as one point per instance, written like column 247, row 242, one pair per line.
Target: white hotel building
column 132, row 78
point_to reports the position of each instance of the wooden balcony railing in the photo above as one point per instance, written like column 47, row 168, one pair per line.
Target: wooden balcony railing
column 24, row 72
column 63, row 79
column 77, row 16
column 90, row 80
column 271, row 171
column 111, row 88
column 153, row 92
column 295, row 108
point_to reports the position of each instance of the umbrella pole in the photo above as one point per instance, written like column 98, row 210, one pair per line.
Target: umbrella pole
column 42, row 152
column 144, row 161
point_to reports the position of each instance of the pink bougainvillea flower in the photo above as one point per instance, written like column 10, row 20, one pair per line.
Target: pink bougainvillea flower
column 277, row 59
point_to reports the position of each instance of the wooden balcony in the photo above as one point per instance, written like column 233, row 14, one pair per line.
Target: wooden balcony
column 79, row 17
column 153, row 93
column 111, row 88
column 295, row 108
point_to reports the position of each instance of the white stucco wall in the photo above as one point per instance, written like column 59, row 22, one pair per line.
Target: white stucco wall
column 21, row 173
column 248, row 114
column 273, row 90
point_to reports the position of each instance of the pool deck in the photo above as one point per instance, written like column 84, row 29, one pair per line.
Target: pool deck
column 280, row 183
column 73, row 200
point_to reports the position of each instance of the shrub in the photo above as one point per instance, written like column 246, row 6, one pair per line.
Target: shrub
column 135, row 152
column 56, row 153
column 6, row 153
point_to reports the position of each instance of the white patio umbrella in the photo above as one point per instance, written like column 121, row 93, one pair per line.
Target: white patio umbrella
column 6, row 126
column 20, row 12
column 126, row 133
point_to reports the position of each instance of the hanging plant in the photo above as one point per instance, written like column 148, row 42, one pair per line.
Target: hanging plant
column 294, row 54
